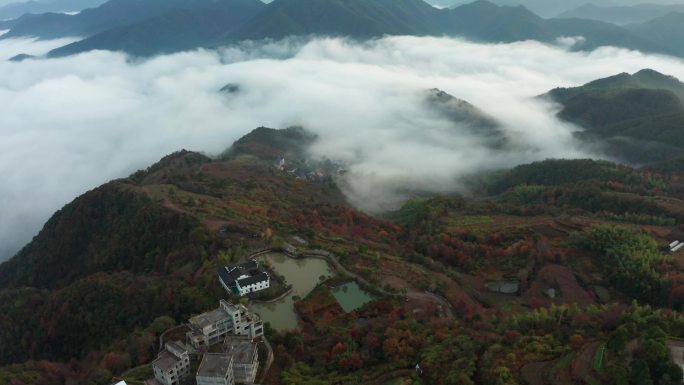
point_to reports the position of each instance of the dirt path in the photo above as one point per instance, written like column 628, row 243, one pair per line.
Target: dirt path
column 583, row 365
column 535, row 373
column 269, row 359
column 430, row 297
column 383, row 378
column 676, row 351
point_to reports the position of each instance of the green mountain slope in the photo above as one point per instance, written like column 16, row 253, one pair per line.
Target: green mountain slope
column 18, row 9
column 584, row 240
column 621, row 15
column 668, row 30
column 81, row 317
column 638, row 118
column 555, row 8
column 209, row 24
column 485, row 21
column 354, row 18
column 468, row 118
column 6, row 24
column 108, row 229
column 272, row 145
column 597, row 34
column 112, row 14
column 175, row 30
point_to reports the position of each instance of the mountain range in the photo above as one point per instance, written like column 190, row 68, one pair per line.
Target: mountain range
column 18, row 9
column 668, row 29
column 174, row 25
column 112, row 14
column 622, row 15
column 177, row 29
column 635, row 118
column 555, row 8
column 86, row 301
column 597, row 294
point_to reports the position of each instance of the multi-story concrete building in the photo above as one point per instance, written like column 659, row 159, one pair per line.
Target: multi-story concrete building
column 245, row 358
column 216, row 369
column 172, row 364
column 211, row 328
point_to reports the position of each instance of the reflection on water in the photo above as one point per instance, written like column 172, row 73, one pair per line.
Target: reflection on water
column 303, row 274
column 350, row 296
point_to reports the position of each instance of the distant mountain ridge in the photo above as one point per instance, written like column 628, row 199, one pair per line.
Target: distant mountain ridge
column 637, row 118
column 668, row 29
column 469, row 118
column 622, row 15
column 112, row 14
column 16, row 10
column 165, row 26
column 554, row 8
column 368, row 18
column 177, row 29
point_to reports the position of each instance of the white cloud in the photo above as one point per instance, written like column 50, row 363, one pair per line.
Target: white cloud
column 569, row 42
column 70, row 124
column 29, row 46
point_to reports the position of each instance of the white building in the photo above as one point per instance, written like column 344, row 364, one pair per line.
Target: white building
column 210, row 328
column 677, row 246
column 244, row 278
column 172, row 364
column 216, row 369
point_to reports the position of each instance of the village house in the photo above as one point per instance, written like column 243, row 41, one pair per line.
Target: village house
column 216, row 369
column 244, row 278
column 212, row 327
column 172, row 364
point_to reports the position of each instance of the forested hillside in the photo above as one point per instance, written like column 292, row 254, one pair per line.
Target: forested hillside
column 152, row 27
column 585, row 241
column 635, row 118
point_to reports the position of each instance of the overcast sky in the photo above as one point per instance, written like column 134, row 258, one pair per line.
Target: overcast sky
column 556, row 3
column 70, row 124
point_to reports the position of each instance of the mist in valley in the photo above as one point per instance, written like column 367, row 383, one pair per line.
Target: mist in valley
column 71, row 124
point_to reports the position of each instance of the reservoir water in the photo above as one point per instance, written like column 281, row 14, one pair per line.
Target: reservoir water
column 350, row 296
column 303, row 274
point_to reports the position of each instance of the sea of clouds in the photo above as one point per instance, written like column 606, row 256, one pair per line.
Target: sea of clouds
column 70, row 124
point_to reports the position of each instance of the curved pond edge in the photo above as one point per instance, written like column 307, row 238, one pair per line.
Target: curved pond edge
column 332, row 261
column 276, row 299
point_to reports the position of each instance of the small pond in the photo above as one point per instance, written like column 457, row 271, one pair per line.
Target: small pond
column 303, row 274
column 350, row 296
column 503, row 287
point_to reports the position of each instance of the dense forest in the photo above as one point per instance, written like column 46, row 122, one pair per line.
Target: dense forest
column 635, row 118
column 587, row 241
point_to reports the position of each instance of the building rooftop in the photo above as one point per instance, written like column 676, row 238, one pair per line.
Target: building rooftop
column 231, row 307
column 209, row 318
column 225, row 276
column 176, row 347
column 242, row 349
column 215, row 365
column 165, row 361
column 230, row 274
column 253, row 279
column 249, row 265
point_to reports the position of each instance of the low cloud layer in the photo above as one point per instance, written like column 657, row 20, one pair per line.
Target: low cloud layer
column 70, row 124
